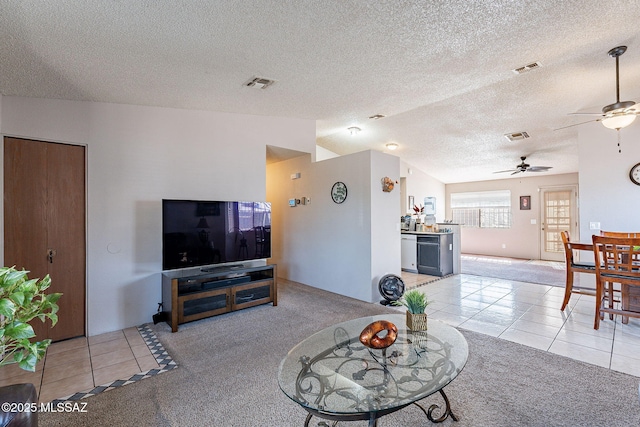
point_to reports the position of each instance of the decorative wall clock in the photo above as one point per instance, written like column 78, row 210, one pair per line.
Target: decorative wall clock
column 634, row 174
column 339, row 192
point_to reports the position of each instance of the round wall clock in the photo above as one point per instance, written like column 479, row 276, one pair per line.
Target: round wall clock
column 339, row 192
column 634, row 174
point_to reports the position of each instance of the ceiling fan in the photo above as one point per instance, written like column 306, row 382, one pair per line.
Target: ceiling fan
column 524, row 167
column 619, row 114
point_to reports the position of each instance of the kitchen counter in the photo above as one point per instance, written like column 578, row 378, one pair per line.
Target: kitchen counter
column 454, row 230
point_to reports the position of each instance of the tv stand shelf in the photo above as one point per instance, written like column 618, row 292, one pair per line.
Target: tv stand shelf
column 216, row 291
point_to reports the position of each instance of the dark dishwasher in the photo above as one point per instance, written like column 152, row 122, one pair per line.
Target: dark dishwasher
column 435, row 254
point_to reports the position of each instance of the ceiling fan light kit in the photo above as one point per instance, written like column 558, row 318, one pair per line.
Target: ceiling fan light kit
column 618, row 121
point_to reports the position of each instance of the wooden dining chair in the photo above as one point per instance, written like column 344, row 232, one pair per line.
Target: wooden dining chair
column 616, row 262
column 573, row 266
column 619, row 233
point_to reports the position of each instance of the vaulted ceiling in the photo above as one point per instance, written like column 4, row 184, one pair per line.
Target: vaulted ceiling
column 439, row 71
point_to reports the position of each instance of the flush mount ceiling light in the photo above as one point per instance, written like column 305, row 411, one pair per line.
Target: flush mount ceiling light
column 354, row 130
column 391, row 146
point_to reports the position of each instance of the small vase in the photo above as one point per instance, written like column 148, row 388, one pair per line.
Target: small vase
column 417, row 322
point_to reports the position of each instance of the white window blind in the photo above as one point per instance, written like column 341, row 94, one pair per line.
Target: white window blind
column 482, row 209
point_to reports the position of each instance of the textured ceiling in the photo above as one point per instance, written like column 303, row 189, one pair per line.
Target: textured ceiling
column 440, row 71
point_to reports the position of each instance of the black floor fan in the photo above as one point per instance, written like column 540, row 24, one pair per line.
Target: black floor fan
column 391, row 288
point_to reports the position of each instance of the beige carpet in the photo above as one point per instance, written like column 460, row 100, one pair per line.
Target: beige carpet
column 532, row 271
column 227, row 376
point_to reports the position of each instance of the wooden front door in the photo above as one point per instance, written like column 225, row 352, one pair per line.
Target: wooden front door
column 44, row 212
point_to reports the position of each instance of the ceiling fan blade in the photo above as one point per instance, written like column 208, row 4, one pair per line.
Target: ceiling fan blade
column 518, row 171
column 578, row 124
column 510, row 170
column 539, row 168
column 586, row 114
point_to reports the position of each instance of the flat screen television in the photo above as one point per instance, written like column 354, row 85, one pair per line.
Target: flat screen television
column 205, row 233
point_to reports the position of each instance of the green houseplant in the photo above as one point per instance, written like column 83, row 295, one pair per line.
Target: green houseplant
column 415, row 302
column 22, row 300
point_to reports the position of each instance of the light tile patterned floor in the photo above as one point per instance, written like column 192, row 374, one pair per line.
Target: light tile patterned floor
column 82, row 364
column 529, row 314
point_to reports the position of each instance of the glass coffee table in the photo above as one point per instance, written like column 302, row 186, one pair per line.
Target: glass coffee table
column 334, row 376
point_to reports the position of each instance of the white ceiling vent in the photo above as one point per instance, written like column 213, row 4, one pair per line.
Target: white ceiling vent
column 259, row 82
column 516, row 136
column 526, row 68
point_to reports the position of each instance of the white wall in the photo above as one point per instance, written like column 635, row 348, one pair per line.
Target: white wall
column 136, row 157
column 607, row 195
column 343, row 248
column 324, row 154
column 522, row 240
column 385, row 222
column 420, row 185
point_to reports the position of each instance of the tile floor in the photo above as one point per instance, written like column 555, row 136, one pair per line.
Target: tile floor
column 529, row 314
column 80, row 364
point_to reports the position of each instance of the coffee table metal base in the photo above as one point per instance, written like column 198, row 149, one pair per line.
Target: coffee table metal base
column 372, row 417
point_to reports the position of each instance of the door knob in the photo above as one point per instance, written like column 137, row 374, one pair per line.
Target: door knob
column 51, row 253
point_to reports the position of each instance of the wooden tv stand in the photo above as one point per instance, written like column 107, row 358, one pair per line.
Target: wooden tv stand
column 216, row 291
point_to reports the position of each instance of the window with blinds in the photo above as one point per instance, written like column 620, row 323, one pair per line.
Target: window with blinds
column 482, row 209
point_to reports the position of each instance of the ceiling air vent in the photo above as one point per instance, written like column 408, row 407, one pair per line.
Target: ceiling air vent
column 259, row 83
column 526, row 68
column 516, row 136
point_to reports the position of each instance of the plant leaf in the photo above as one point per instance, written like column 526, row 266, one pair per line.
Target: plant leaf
column 29, row 362
column 7, row 308
column 19, row 330
column 17, row 297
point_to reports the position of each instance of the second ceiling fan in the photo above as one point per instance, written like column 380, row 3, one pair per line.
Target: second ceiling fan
column 525, row 167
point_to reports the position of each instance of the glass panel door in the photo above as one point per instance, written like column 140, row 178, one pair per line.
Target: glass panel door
column 558, row 214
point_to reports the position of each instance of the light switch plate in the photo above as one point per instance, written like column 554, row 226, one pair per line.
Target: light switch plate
column 594, row 226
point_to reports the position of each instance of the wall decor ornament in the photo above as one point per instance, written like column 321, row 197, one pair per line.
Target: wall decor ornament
column 525, row 203
column 339, row 192
column 387, row 184
column 370, row 334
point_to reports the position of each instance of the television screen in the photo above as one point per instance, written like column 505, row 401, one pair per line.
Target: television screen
column 199, row 233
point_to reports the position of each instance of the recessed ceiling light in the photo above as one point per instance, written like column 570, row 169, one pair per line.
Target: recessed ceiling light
column 391, row 146
column 377, row 116
column 354, row 130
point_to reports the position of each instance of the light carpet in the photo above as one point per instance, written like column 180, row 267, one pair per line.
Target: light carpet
column 228, row 365
column 523, row 270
